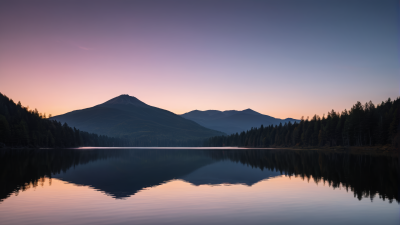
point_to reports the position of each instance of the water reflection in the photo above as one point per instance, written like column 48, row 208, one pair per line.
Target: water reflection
column 121, row 173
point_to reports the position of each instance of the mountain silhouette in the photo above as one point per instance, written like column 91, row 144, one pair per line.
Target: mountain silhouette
column 233, row 121
column 125, row 100
column 128, row 117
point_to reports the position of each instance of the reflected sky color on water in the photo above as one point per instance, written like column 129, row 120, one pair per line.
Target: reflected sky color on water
column 167, row 186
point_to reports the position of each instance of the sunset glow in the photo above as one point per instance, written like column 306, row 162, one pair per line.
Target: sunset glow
column 180, row 112
column 283, row 60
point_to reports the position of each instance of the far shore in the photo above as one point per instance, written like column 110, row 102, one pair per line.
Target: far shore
column 370, row 150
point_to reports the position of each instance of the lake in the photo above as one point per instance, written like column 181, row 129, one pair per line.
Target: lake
column 197, row 186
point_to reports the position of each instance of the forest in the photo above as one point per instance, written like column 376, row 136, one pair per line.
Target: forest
column 23, row 127
column 362, row 125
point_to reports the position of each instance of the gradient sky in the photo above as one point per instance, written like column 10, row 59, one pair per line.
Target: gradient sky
column 283, row 58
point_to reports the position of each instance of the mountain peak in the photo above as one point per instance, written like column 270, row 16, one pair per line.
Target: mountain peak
column 125, row 99
column 250, row 111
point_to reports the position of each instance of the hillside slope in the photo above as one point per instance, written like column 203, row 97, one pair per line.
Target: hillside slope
column 126, row 116
column 233, row 121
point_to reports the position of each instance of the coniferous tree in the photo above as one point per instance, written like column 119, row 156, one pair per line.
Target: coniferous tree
column 21, row 127
column 362, row 125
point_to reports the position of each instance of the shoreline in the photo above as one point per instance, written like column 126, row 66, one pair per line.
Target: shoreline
column 370, row 150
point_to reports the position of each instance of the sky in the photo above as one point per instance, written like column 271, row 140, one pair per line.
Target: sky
column 283, row 58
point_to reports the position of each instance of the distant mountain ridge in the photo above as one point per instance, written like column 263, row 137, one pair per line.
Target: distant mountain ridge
column 232, row 121
column 128, row 117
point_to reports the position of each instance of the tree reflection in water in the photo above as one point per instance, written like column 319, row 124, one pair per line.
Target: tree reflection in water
column 366, row 176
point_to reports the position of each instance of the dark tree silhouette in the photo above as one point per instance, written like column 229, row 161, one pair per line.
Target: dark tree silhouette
column 21, row 127
column 362, row 125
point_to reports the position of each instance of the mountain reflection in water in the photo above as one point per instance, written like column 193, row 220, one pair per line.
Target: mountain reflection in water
column 121, row 173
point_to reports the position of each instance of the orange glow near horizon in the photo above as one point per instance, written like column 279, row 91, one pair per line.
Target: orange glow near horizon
column 57, row 105
column 69, row 55
column 177, row 200
column 280, row 186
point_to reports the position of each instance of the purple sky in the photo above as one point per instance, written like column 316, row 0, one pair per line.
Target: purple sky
column 281, row 58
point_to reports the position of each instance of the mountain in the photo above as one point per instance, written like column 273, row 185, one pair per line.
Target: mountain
column 21, row 127
column 232, row 121
column 128, row 117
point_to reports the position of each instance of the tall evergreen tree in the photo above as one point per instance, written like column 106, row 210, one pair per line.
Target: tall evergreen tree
column 362, row 125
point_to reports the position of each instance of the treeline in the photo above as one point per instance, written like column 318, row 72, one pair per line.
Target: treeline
column 362, row 125
column 22, row 127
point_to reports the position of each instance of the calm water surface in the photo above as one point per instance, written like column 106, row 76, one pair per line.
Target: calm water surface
column 197, row 186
